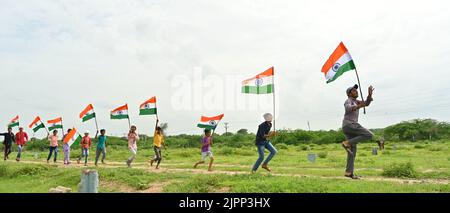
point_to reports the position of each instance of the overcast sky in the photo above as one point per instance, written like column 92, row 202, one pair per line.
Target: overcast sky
column 58, row 56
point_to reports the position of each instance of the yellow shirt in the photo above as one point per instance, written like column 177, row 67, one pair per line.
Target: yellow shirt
column 158, row 139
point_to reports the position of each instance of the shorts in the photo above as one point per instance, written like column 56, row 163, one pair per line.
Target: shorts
column 207, row 154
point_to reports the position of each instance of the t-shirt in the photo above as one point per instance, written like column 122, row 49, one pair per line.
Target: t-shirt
column 101, row 141
column 132, row 139
column 206, row 144
column 263, row 129
column 351, row 116
column 86, row 142
column 53, row 140
column 158, row 139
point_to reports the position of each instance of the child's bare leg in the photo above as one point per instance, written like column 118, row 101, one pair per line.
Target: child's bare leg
column 200, row 162
column 210, row 164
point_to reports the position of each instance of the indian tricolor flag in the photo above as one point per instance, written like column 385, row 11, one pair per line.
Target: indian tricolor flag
column 88, row 113
column 148, row 107
column 209, row 122
column 260, row 84
column 36, row 124
column 55, row 124
column 14, row 122
column 120, row 112
column 73, row 137
column 339, row 62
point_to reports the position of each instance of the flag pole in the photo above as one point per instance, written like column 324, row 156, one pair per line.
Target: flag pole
column 360, row 90
column 45, row 128
column 129, row 123
column 156, row 108
column 95, row 119
column 215, row 127
column 273, row 91
column 62, row 128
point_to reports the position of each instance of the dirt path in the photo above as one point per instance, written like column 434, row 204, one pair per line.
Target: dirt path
column 156, row 188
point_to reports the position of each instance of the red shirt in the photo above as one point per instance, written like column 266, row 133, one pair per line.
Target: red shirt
column 21, row 138
column 86, row 142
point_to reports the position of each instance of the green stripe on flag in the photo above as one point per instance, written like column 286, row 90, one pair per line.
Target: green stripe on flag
column 344, row 68
column 41, row 126
column 119, row 116
column 205, row 126
column 88, row 117
column 258, row 90
column 51, row 128
column 151, row 111
column 77, row 141
column 13, row 125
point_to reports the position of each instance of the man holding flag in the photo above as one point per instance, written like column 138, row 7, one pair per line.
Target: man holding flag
column 353, row 131
column 262, row 142
column 340, row 62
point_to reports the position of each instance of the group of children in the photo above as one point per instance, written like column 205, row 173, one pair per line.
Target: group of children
column 86, row 142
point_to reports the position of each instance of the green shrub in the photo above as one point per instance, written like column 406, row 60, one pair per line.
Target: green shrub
column 403, row 170
column 303, row 148
column 419, row 146
column 282, row 146
column 322, row 154
column 3, row 171
column 225, row 151
column 30, row 170
column 435, row 149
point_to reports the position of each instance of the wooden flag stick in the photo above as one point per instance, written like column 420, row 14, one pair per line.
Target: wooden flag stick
column 129, row 123
column 360, row 90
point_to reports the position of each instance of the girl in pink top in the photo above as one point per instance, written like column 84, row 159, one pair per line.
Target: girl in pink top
column 133, row 137
column 53, row 145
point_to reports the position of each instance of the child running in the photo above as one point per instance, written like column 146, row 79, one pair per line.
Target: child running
column 85, row 145
column 133, row 137
column 9, row 140
column 206, row 150
column 66, row 148
column 158, row 141
column 101, row 146
column 53, row 145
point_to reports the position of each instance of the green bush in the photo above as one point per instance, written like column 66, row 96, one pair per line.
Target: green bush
column 419, row 146
column 282, row 146
column 30, row 170
column 403, row 170
column 322, row 154
column 435, row 149
column 226, row 151
column 3, row 171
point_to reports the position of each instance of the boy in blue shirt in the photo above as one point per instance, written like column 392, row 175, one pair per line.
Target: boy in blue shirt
column 101, row 146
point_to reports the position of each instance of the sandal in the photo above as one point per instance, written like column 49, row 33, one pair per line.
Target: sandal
column 353, row 176
column 347, row 148
column 266, row 168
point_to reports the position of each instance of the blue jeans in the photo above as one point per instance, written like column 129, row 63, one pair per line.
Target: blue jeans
column 52, row 148
column 19, row 151
column 266, row 145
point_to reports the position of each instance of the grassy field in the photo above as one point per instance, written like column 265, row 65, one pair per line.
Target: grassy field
column 402, row 167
